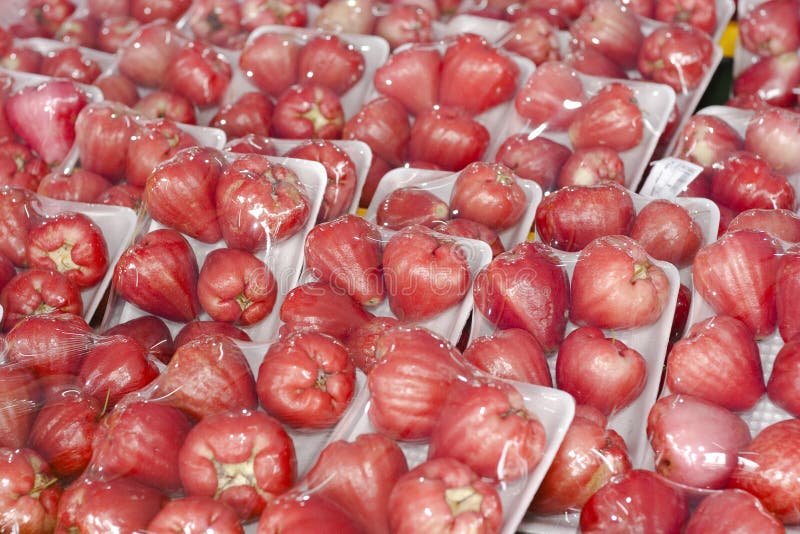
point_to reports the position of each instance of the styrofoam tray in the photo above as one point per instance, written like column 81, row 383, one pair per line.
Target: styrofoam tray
column 555, row 409
column 285, row 258
column 441, row 184
column 450, row 323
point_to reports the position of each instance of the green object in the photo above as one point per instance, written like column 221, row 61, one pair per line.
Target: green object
column 719, row 90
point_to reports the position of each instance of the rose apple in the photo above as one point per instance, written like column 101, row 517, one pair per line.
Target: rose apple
column 425, row 274
column 782, row 385
column 707, row 140
column 405, row 23
column 535, row 38
column 318, row 306
column 410, row 381
column 152, row 143
column 195, row 513
column 600, row 371
column 49, row 344
column 359, row 476
column 113, row 32
column 306, row 380
column 71, row 63
column 151, row 10
column 331, row 61
column 242, row 458
column 159, row 274
column 771, row 28
column 615, row 285
column 695, row 442
column 550, row 96
column 257, row 13
column 736, row 276
column 411, row 76
column 526, row 287
column 305, row 513
column 20, row 167
column 535, row 158
column 745, row 181
column 76, row 185
column 781, row 223
column 180, row 192
column 166, row 104
column 30, row 493
column 677, row 55
column 471, row 230
column 489, row 194
column 718, row 360
column 771, row 79
column 207, row 376
column 259, row 203
column 609, row 28
column 384, row 125
column 19, row 395
column 199, row 73
column 237, row 287
column 611, row 118
column 447, row 138
column 407, row 206
column 18, row 215
column 486, row 425
column 592, row 166
column 121, row 448
column 730, row 510
column 771, row 134
column 571, row 217
column 362, row 342
column 38, row 291
column 270, row 62
column 511, row 354
column 308, row 110
column 346, row 252
column 701, row 14
column 667, row 232
column 197, row 329
column 102, row 134
column 786, row 290
column 216, row 22
column 588, row 457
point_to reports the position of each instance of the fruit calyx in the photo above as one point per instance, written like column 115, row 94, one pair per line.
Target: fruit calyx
column 463, row 499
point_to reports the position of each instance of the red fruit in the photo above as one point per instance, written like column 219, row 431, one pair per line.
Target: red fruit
column 72, row 244
column 588, row 457
column 745, row 181
column 782, row 385
column 695, row 442
column 533, row 37
column 340, row 170
column 616, row 286
column 122, row 194
column 208, row 376
column 410, row 381
column 772, row 135
column 781, row 223
column 270, row 62
column 701, row 14
column 534, row 158
column 594, row 63
column 476, row 76
column 200, row 512
column 635, row 501
column 115, row 366
column 489, row 194
column 667, row 232
column 506, row 293
column 330, row 61
column 199, row 73
column 30, row 493
column 770, row 28
column 424, row 274
column 610, row 118
column 77, row 185
column 216, row 22
column 236, row 287
column 257, row 13
column 443, row 494
column 346, row 252
column 49, row 344
column 571, row 217
column 411, row 76
column 471, row 230
column 180, row 192
column 550, row 96
column 253, row 445
column 598, row 371
column 707, row 140
column 250, row 113
column 447, row 138
column 736, row 276
column 592, row 166
column 150, row 332
column 102, row 134
column 610, row 29
column 166, row 104
column 260, row 203
column 20, row 167
column 70, row 62
column 730, row 510
column 305, row 512
column 362, row 342
column 38, row 291
column 306, row 380
column 198, row 329
column 19, row 393
column 787, row 290
column 677, row 55
column 151, row 10
column 359, row 476
column 45, row 115
column 405, row 23
column 317, row 306
column 383, row 124
column 486, row 425
column 114, row 32
column 119, row 503
column 158, row 274
column 772, row 472
column 252, row 144
column 407, row 206
column 151, row 144
column 511, row 354
column 771, row 79
column 308, row 111
column 121, row 448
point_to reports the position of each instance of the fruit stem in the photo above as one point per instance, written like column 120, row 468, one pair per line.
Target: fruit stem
column 463, row 499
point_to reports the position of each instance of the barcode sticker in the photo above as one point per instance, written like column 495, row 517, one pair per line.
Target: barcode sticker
column 669, row 177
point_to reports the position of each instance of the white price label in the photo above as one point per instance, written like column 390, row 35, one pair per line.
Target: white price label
column 669, row 177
